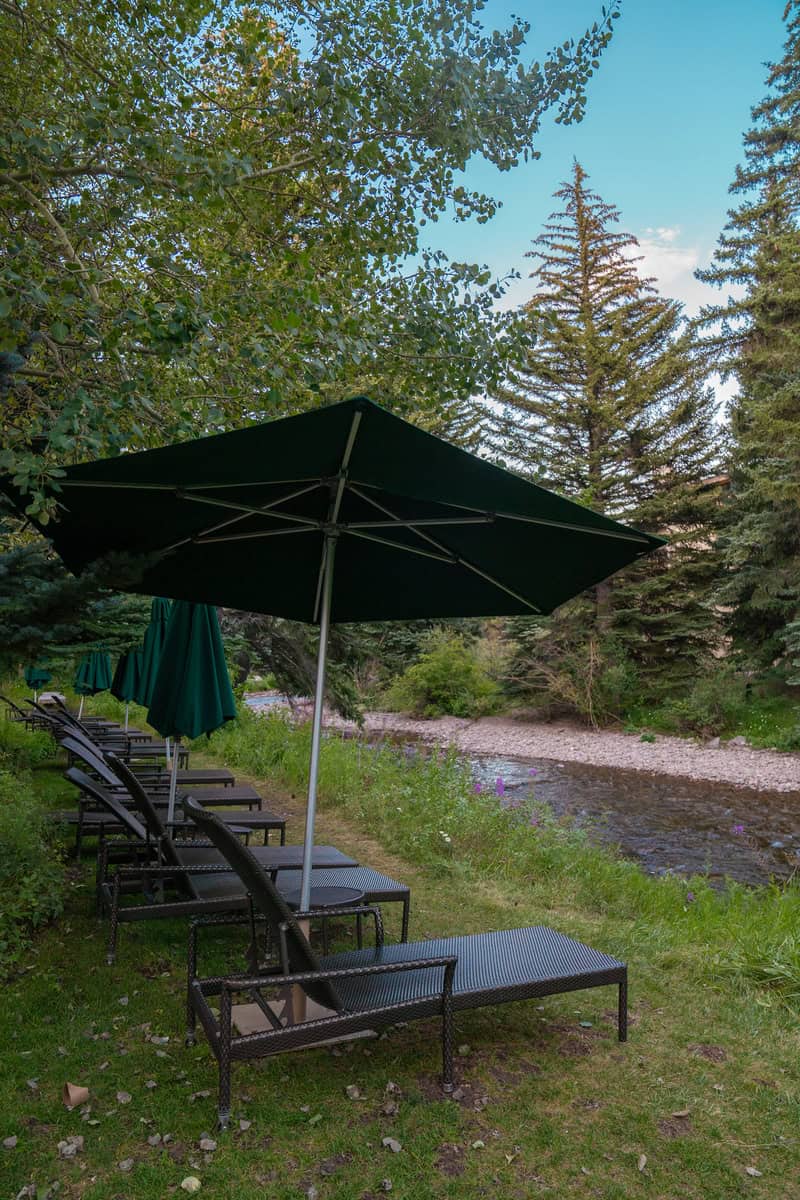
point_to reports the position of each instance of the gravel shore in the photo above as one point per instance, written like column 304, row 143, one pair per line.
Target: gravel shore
column 501, row 736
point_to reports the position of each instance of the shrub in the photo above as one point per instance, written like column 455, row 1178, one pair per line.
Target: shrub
column 31, row 874
column 448, row 679
column 716, row 702
column 21, row 748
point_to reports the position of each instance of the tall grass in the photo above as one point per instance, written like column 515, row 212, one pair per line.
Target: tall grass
column 424, row 807
column 31, row 870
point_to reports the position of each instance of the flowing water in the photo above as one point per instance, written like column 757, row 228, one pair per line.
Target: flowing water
column 664, row 822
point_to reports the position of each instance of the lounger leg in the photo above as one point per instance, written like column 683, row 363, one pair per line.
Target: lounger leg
column 447, row 1030
column 191, row 972
column 224, row 1108
column 622, row 1018
column 283, row 835
column 111, row 953
column 100, row 874
column 406, row 912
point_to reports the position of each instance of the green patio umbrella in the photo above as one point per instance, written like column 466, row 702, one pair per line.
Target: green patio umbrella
column 92, row 676
column 192, row 691
column 152, row 646
column 345, row 513
column 36, row 676
column 127, row 674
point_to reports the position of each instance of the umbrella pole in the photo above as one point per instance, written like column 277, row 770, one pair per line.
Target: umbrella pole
column 173, row 786
column 316, row 725
column 80, row 708
column 127, row 710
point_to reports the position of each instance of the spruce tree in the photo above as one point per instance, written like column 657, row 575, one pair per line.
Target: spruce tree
column 757, row 335
column 611, row 408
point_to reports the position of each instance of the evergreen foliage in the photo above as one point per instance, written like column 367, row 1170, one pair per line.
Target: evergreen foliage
column 611, row 407
column 756, row 333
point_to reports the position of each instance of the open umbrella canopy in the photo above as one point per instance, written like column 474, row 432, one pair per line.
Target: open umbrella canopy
column 127, row 674
column 93, row 674
column 192, row 691
column 346, row 513
column 423, row 528
column 153, row 643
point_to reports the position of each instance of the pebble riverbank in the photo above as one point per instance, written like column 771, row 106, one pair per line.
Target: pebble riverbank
column 502, row 736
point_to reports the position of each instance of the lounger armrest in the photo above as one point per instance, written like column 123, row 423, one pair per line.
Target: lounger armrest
column 357, row 910
column 244, row 982
column 164, row 871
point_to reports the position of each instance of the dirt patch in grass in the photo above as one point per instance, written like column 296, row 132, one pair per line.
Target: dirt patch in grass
column 715, row 1054
column 675, row 1127
column 450, row 1160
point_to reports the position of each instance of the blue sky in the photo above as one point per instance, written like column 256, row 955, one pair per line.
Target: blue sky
column 661, row 137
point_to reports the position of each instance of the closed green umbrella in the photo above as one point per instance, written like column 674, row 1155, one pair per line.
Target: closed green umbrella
column 36, row 676
column 127, row 674
column 254, row 520
column 192, row 691
column 152, row 647
column 93, row 675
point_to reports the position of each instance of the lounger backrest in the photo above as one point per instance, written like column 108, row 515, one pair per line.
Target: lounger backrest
column 146, row 809
column 265, row 896
column 110, row 803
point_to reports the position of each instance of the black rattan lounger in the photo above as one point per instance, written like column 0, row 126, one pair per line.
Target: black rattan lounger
column 195, row 874
column 366, row 989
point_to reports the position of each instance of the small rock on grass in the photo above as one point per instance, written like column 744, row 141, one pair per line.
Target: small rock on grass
column 352, row 1092
column 245, row 1125
column 124, row 1097
column 126, row 1165
column 191, row 1184
column 207, row 1143
column 70, row 1146
column 10, row 1142
column 391, row 1144
column 753, row 1171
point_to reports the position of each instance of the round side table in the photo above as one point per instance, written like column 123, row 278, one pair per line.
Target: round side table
column 328, row 897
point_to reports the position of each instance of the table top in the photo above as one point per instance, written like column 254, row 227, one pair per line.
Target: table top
column 277, row 858
column 326, row 897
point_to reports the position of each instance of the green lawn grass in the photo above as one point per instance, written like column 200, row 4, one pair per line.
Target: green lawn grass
column 552, row 1104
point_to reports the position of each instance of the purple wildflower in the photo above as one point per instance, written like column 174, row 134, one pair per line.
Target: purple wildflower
column 534, row 820
column 738, row 829
column 690, row 897
column 477, row 789
column 500, row 786
column 532, row 771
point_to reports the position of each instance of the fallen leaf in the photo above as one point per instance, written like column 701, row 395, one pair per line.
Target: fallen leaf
column 162, row 1041
column 352, row 1092
column 586, row 1024
column 126, row 1164
column 315, row 1119
column 245, row 1125
column 33, row 1084
column 392, row 1144
column 200, row 1095
column 124, row 1097
column 754, row 1172
column 642, row 1163
column 479, row 1145
column 207, row 1143
column 390, row 1108
column 10, row 1142
column 684, row 1112
column 191, row 1184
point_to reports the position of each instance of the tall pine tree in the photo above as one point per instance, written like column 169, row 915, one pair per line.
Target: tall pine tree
column 757, row 334
column 611, row 407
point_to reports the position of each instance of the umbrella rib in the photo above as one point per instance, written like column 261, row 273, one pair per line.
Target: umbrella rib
column 256, row 533
column 413, row 523
column 248, row 510
column 451, row 559
column 203, row 533
column 620, row 535
column 189, row 487
column 336, row 500
column 446, row 550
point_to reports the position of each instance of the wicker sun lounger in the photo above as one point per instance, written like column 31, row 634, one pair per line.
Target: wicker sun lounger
column 95, row 821
column 197, row 876
column 370, row 988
